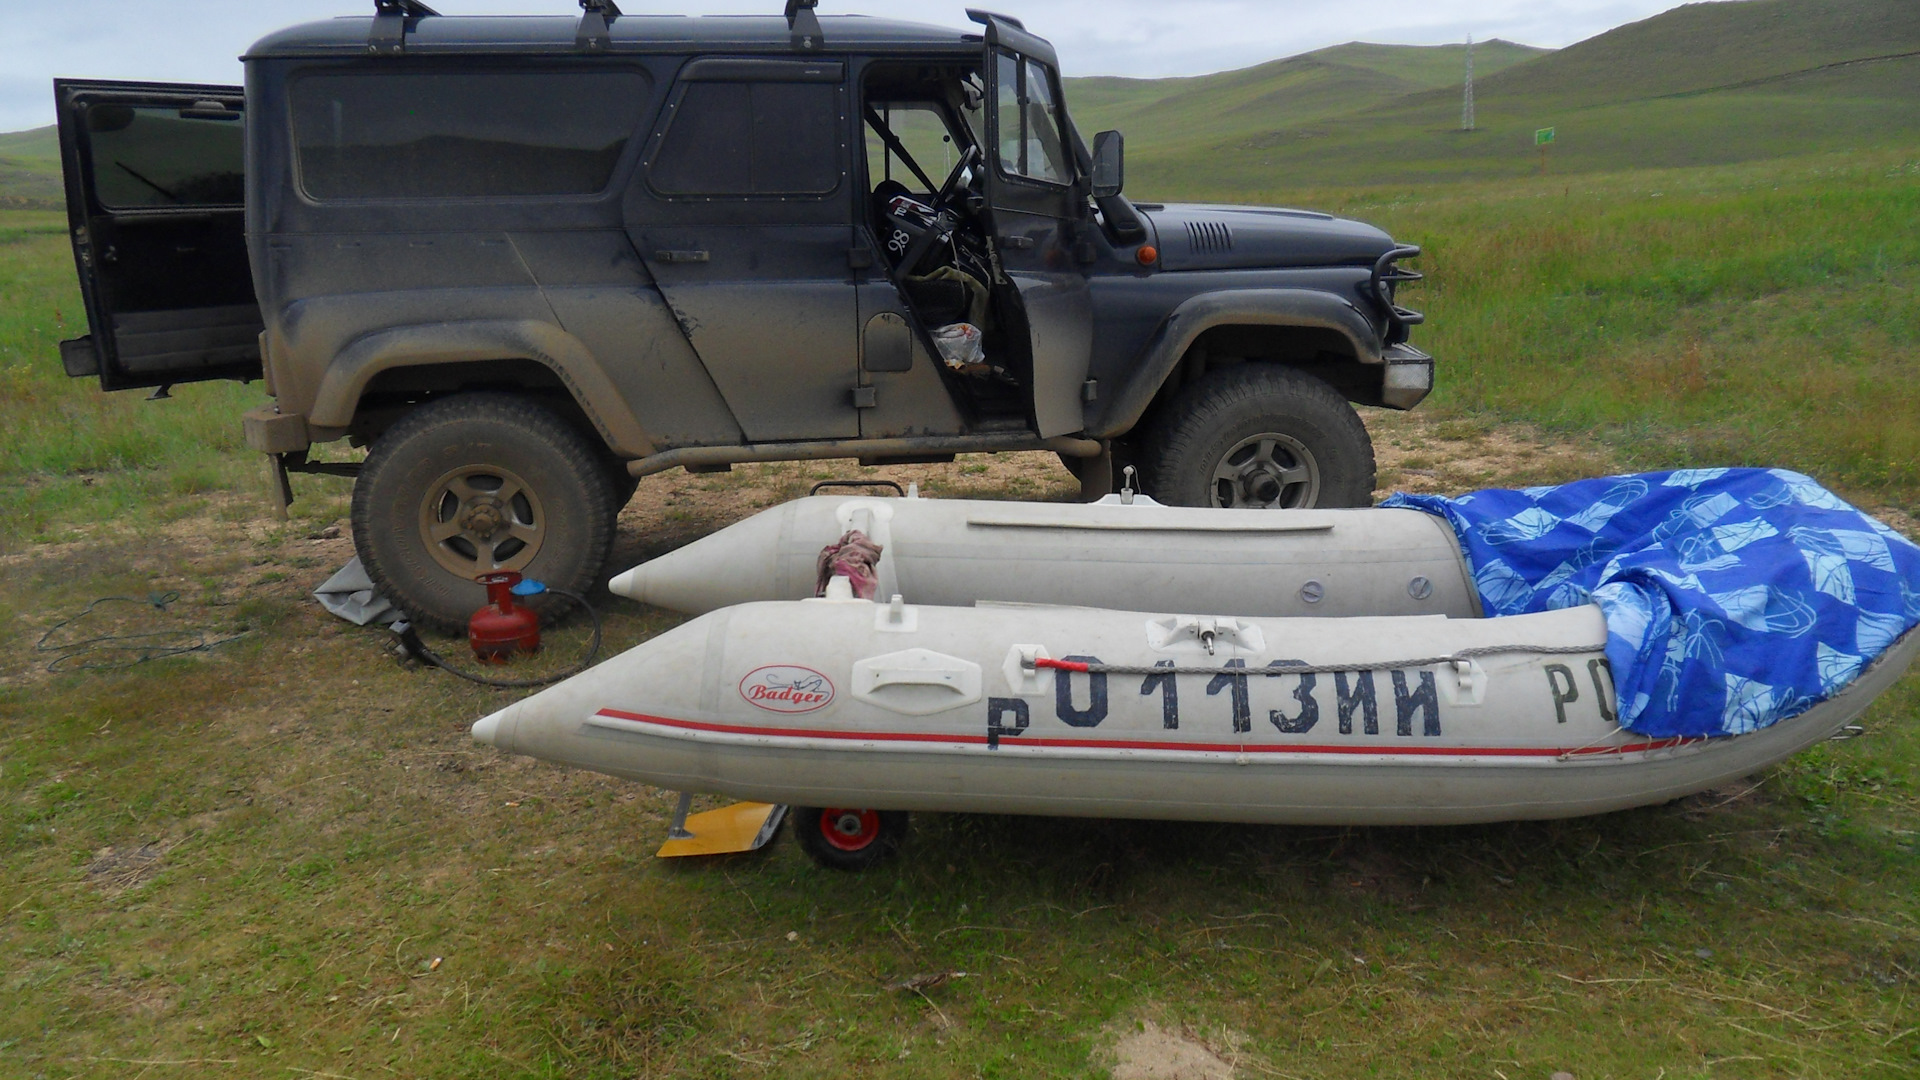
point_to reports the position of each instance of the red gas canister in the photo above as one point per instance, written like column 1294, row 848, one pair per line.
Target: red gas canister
column 503, row 627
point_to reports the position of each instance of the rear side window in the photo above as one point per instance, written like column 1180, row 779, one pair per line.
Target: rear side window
column 421, row 135
column 156, row 157
column 752, row 138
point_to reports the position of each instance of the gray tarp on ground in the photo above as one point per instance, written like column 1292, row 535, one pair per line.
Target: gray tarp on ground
column 350, row 594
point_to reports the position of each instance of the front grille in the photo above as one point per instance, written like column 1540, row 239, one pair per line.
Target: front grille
column 1209, row 237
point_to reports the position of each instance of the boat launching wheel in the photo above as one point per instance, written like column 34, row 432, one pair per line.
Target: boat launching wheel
column 841, row 838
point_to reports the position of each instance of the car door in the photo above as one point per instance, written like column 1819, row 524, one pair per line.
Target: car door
column 1038, row 211
column 744, row 218
column 155, row 184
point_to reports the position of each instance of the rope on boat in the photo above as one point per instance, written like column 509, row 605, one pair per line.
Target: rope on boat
column 1288, row 667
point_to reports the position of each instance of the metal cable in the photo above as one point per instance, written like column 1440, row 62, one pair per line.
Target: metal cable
column 145, row 645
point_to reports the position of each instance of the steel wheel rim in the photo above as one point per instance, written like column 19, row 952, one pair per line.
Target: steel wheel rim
column 1267, row 470
column 478, row 519
column 850, row 830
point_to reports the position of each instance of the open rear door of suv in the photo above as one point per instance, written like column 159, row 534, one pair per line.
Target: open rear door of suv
column 155, row 182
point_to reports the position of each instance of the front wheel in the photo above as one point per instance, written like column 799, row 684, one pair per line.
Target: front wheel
column 1260, row 435
column 475, row 484
column 840, row 838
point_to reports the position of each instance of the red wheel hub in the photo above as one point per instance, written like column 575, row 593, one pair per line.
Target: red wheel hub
column 850, row 830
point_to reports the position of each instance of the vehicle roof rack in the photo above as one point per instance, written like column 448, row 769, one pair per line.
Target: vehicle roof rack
column 804, row 25
column 596, row 20
column 391, row 22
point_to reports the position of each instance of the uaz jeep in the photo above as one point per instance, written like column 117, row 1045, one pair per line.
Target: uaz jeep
column 526, row 261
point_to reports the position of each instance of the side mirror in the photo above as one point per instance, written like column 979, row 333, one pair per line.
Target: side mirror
column 1109, row 164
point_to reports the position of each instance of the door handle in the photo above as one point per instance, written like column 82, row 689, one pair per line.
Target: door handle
column 682, row 256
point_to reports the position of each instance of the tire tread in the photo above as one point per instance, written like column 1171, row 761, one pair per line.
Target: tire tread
column 585, row 461
column 1197, row 411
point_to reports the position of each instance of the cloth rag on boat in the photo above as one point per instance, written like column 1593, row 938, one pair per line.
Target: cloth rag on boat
column 1734, row 598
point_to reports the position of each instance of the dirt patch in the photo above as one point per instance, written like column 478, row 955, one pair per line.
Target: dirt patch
column 1742, row 794
column 115, row 870
column 1449, row 456
column 1151, row 1052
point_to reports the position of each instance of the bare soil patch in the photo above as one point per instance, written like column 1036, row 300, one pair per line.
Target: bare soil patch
column 1151, row 1052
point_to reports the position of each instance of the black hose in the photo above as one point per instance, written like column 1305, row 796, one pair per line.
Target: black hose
column 413, row 647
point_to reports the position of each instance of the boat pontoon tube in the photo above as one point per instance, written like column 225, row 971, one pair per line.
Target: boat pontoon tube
column 1401, row 720
column 1327, row 563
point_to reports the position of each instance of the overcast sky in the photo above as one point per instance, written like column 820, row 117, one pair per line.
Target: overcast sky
column 198, row 40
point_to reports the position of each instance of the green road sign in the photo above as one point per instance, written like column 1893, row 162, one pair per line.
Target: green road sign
column 1543, row 136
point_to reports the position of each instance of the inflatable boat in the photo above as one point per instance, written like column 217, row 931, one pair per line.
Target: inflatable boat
column 1132, row 554
column 1502, row 656
column 1101, row 713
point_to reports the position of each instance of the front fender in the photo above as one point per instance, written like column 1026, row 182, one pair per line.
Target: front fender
column 366, row 356
column 1230, row 307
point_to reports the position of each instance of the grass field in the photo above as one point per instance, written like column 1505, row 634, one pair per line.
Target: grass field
column 282, row 856
column 247, row 861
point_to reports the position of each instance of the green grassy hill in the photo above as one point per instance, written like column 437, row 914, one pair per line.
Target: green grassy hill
column 1704, row 84
column 1311, row 86
column 30, row 169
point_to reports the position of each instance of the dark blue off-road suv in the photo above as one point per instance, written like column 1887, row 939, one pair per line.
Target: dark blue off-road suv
column 526, row 261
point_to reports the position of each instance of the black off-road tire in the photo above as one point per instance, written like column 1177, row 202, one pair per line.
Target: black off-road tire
column 828, row 838
column 1259, row 435
column 503, row 483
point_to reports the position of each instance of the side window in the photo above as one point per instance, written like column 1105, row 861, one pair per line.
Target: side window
column 744, row 139
column 922, row 129
column 146, row 157
column 424, row 135
column 1027, row 117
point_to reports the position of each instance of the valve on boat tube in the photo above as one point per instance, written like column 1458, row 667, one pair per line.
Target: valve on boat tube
column 502, row 628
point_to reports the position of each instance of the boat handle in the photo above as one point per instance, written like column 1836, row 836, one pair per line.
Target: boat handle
column 953, row 679
column 875, row 677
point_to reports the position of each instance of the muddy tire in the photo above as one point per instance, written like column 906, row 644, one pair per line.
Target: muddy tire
column 1259, row 435
column 472, row 484
column 846, row 839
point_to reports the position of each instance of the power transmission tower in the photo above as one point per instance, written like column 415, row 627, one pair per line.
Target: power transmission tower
column 1466, row 103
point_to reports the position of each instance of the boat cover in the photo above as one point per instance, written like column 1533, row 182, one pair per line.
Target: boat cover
column 1734, row 598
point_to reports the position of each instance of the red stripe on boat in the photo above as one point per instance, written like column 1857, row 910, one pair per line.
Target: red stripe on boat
column 1007, row 739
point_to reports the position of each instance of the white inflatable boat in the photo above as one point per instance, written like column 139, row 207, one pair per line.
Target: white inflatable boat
column 1138, row 554
column 1089, row 712
column 1289, row 667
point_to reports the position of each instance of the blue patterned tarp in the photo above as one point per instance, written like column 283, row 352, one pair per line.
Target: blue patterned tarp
column 1734, row 598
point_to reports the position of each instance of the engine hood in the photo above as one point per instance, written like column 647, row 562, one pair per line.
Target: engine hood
column 1196, row 236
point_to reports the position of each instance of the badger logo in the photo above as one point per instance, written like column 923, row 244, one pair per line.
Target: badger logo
column 783, row 688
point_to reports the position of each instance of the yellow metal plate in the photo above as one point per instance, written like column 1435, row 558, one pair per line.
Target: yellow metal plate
column 743, row 826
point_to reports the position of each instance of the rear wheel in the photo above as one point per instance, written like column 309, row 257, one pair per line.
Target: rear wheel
column 1260, row 435
column 474, row 484
column 841, row 838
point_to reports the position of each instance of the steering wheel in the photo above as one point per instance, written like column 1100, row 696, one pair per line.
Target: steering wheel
column 968, row 160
